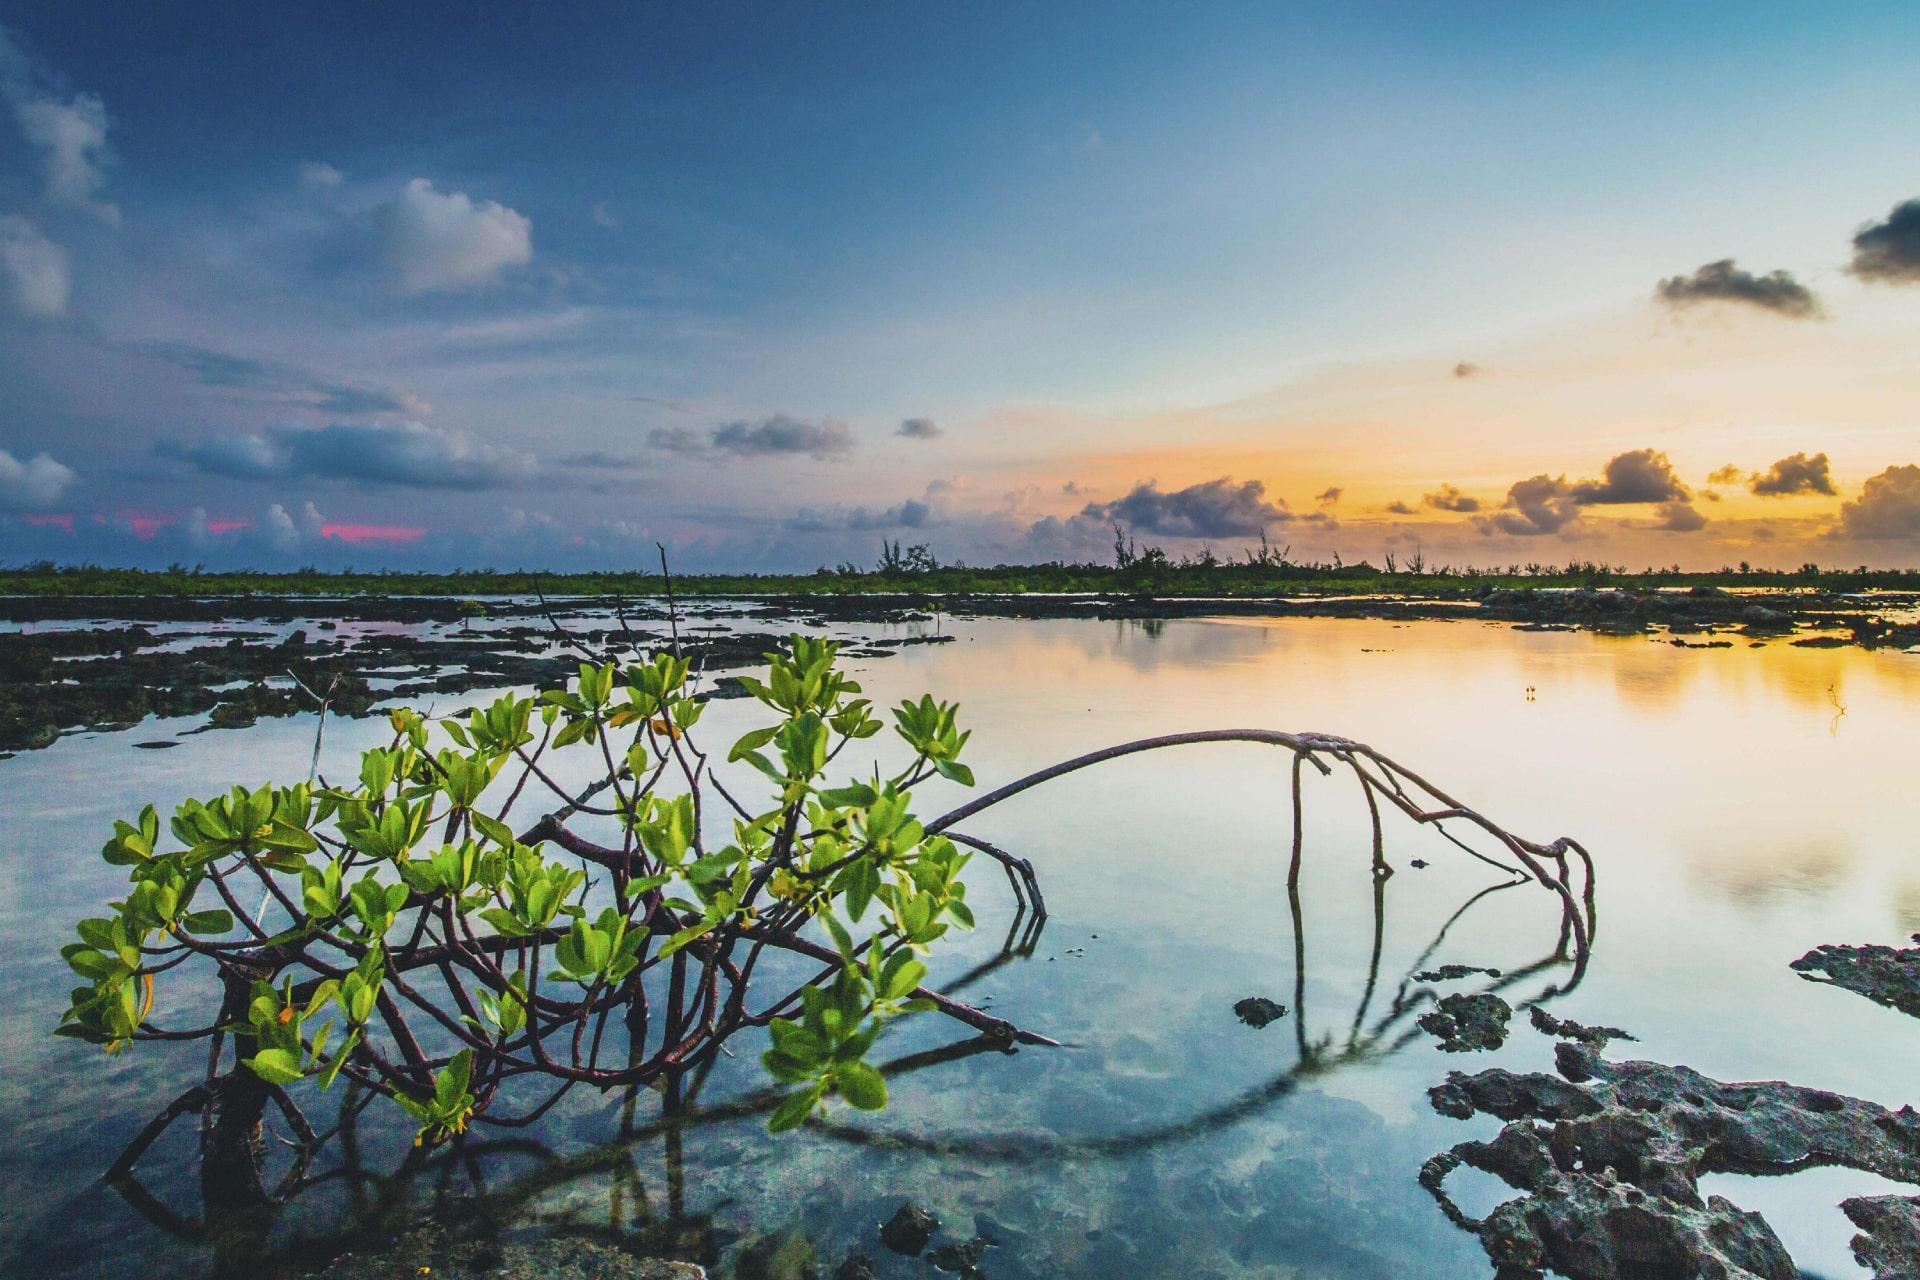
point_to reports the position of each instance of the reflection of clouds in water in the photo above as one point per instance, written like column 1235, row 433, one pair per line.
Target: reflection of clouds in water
column 1762, row 874
column 1906, row 906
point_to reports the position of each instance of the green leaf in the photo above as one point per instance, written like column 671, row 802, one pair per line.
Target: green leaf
column 861, row 1085
column 218, row 920
column 790, row 1114
column 275, row 1066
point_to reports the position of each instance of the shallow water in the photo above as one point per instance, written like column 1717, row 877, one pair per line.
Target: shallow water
column 1742, row 805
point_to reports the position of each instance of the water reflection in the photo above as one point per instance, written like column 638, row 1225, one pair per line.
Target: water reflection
column 1701, row 778
column 641, row 1169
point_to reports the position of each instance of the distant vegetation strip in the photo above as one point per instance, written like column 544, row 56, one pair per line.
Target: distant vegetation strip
column 1168, row 579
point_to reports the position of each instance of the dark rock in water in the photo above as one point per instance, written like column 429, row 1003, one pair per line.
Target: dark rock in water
column 1258, row 1011
column 909, row 1229
column 1889, row 1243
column 430, row 1251
column 858, row 1266
column 161, row 745
column 1448, row 972
column 1885, row 975
column 1468, row 1023
column 1610, row 1155
column 1568, row 1029
column 959, row 1259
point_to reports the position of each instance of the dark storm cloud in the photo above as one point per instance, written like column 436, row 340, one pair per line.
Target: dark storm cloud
column 1639, row 475
column 1889, row 251
column 1796, row 473
column 919, row 429
column 1723, row 281
column 1214, row 509
column 1448, row 498
column 407, row 454
column 1888, row 506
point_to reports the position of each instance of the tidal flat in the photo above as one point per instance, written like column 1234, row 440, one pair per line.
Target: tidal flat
column 1745, row 806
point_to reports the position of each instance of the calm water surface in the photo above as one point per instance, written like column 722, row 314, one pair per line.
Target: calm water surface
column 1738, row 814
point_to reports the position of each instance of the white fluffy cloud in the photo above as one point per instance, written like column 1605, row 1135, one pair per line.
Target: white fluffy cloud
column 34, row 280
column 33, row 485
column 69, row 132
column 433, row 240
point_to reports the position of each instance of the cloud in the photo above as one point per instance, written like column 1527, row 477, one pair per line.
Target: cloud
column 600, row 460
column 1723, row 281
column 1889, row 251
column 33, row 485
column 318, row 175
column 1728, row 474
column 69, row 132
column 677, row 440
column 1888, row 506
column 1679, row 517
column 1639, row 475
column 604, row 216
column 1448, row 498
column 1537, row 505
column 826, row 439
column 1467, row 369
column 1399, row 508
column 1329, row 496
column 224, row 369
column 432, row 240
column 1213, row 509
column 408, row 454
column 919, row 429
column 1796, row 473
column 33, row 270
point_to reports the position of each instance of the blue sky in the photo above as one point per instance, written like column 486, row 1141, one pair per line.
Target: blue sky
column 287, row 283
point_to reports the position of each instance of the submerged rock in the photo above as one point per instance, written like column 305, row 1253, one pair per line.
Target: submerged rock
column 1258, row 1011
column 1468, row 1023
column 429, row 1251
column 1610, row 1156
column 1885, row 975
column 909, row 1229
column 960, row 1259
column 858, row 1266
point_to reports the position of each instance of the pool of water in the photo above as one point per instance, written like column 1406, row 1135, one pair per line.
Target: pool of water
column 1742, row 806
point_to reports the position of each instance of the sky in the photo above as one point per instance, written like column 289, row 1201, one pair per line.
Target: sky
column 448, row 285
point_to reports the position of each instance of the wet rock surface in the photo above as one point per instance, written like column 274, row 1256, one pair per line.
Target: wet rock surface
column 1887, row 976
column 1568, row 1029
column 909, row 1229
column 1610, row 1154
column 106, row 677
column 1258, row 1011
column 1468, row 1023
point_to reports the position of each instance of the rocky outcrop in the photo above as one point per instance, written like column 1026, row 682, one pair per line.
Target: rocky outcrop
column 1468, row 1023
column 1610, row 1156
column 1888, row 976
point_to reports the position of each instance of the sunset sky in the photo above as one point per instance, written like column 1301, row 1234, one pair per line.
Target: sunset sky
column 535, row 286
